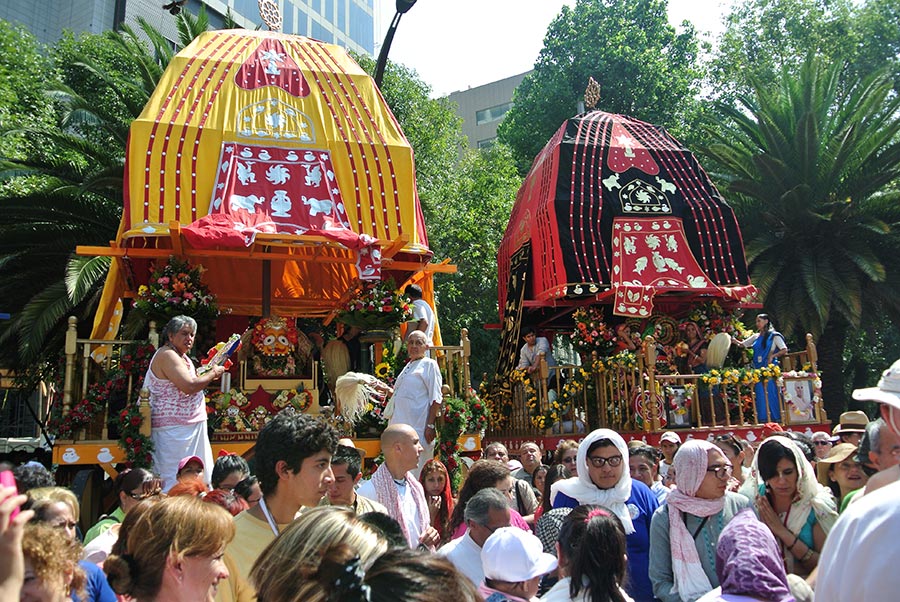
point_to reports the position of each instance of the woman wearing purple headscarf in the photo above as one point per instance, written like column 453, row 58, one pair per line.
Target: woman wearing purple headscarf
column 749, row 565
column 685, row 531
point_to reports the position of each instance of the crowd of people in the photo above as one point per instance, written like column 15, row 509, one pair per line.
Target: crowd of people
column 709, row 519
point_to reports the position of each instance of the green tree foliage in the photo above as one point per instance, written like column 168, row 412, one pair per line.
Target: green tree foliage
column 466, row 206
column 877, row 29
column 23, row 69
column 475, row 207
column 645, row 69
column 431, row 126
column 810, row 158
column 64, row 185
column 762, row 37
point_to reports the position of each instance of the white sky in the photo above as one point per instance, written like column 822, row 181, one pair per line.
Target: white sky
column 458, row 44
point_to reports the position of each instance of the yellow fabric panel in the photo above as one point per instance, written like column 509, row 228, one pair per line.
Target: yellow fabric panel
column 113, row 289
column 174, row 146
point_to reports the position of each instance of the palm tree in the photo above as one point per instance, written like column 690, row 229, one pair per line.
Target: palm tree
column 811, row 159
column 69, row 192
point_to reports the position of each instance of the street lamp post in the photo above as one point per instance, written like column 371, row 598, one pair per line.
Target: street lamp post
column 403, row 7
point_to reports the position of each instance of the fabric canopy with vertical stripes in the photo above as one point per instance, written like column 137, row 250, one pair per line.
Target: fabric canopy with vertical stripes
column 617, row 210
column 266, row 148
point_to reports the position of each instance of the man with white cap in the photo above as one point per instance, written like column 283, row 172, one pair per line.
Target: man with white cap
column 860, row 543
column 514, row 562
column 668, row 445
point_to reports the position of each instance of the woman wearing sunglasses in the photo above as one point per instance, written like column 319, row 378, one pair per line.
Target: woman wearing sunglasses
column 604, row 479
column 132, row 487
column 684, row 532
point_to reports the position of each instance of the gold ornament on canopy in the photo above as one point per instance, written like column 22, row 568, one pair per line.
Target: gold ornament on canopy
column 271, row 16
column 591, row 93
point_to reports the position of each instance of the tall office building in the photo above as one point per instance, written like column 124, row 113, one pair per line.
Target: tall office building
column 483, row 108
column 347, row 23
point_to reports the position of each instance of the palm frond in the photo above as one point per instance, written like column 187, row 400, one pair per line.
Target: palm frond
column 84, row 275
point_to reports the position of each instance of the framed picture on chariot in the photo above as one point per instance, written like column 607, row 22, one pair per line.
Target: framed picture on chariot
column 801, row 394
column 678, row 407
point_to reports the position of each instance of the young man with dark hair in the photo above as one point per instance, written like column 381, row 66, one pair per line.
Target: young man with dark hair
column 346, row 464
column 293, row 464
column 423, row 315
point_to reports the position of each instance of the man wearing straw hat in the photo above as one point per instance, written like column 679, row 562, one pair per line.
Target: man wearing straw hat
column 856, row 562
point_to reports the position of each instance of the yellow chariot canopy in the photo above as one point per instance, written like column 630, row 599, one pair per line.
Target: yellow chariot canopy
column 283, row 149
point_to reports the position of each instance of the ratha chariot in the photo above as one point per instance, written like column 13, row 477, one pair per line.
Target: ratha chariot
column 268, row 184
column 617, row 241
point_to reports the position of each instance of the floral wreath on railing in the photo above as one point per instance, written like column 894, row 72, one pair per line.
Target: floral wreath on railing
column 740, row 376
column 499, row 407
column 82, row 413
column 133, row 360
column 137, row 446
column 521, row 377
column 563, row 407
column 479, row 413
column 456, row 417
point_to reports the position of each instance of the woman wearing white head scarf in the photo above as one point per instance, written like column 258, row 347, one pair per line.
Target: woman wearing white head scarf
column 798, row 510
column 604, row 479
column 684, row 533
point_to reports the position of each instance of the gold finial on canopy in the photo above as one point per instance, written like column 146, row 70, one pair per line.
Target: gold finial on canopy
column 271, row 16
column 591, row 93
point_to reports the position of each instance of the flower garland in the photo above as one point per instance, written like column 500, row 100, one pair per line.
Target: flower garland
column 740, row 376
column 176, row 288
column 499, row 407
column 376, row 306
column 83, row 413
column 133, row 360
column 137, row 446
column 521, row 378
column 455, row 418
column 479, row 413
